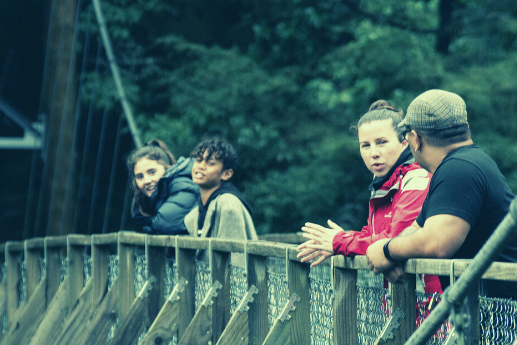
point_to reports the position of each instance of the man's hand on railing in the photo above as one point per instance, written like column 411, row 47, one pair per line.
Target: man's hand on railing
column 394, row 273
column 376, row 259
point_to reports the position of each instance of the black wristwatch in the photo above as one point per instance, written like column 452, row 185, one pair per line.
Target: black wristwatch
column 387, row 252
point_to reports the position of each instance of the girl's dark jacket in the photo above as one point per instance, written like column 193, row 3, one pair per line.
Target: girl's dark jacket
column 174, row 197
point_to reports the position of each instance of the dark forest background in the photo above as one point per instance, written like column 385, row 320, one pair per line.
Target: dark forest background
column 283, row 80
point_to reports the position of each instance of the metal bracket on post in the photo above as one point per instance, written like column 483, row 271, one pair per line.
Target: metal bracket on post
column 458, row 318
column 212, row 294
column 332, row 276
column 245, row 273
column 453, row 338
column 180, row 287
column 451, row 274
column 393, row 323
column 210, row 256
column 248, row 298
column 176, row 255
column 289, row 307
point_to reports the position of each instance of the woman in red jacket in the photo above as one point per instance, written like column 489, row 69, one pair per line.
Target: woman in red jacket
column 398, row 190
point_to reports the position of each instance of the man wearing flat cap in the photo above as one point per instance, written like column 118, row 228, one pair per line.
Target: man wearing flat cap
column 468, row 196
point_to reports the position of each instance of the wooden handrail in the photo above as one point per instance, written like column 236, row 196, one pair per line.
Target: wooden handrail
column 219, row 251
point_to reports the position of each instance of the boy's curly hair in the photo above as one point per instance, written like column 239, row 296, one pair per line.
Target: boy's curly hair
column 221, row 149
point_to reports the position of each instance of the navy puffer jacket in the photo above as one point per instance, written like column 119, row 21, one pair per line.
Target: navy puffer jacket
column 174, row 197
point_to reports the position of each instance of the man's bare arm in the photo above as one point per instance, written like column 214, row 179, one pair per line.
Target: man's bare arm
column 411, row 229
column 441, row 237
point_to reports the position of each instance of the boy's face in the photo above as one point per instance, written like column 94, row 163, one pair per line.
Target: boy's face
column 207, row 172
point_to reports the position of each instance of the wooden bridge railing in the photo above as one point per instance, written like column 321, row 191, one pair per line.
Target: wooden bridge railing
column 44, row 308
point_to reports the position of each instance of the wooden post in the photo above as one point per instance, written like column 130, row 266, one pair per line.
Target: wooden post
column 53, row 247
column 258, row 313
column 299, row 283
column 473, row 331
column 33, row 253
column 75, row 257
column 155, row 258
column 186, row 261
column 344, row 310
column 12, row 276
column 404, row 297
column 100, row 268
column 126, row 277
column 221, row 309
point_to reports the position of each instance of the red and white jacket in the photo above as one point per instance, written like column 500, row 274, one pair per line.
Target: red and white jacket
column 392, row 208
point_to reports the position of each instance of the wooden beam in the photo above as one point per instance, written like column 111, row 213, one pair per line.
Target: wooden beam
column 161, row 241
column 136, row 320
column 77, row 318
column 344, row 309
column 75, row 258
column 403, row 313
column 79, row 240
column 259, row 248
column 155, row 271
column 281, row 331
column 12, row 277
column 56, row 242
column 299, row 284
column 28, row 319
column 226, row 245
column 131, row 238
column 53, row 318
column 186, row 263
column 258, row 313
column 53, row 266
column 105, row 239
column 222, row 303
column 237, row 330
column 199, row 331
column 165, row 325
column 473, row 331
column 102, row 320
column 126, row 277
column 100, row 268
column 33, row 255
column 189, row 242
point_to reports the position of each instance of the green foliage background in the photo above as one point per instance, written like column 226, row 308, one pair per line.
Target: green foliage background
column 284, row 80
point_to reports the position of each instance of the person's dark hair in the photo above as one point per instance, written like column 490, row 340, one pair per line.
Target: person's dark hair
column 382, row 110
column 154, row 150
column 445, row 137
column 221, row 149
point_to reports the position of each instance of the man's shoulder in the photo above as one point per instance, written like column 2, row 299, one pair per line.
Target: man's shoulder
column 228, row 200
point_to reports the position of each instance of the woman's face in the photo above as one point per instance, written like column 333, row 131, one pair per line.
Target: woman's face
column 147, row 174
column 379, row 145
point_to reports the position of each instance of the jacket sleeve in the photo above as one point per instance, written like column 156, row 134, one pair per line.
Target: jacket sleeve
column 169, row 219
column 138, row 217
column 233, row 219
column 406, row 207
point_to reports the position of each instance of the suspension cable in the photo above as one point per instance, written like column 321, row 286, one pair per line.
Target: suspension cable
column 116, row 74
column 116, row 152
column 100, row 154
column 87, row 140
column 71, row 185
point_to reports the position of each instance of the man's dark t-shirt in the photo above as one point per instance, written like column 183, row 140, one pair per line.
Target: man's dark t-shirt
column 469, row 185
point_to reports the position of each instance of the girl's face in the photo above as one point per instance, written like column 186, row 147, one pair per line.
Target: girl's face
column 147, row 174
column 379, row 145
